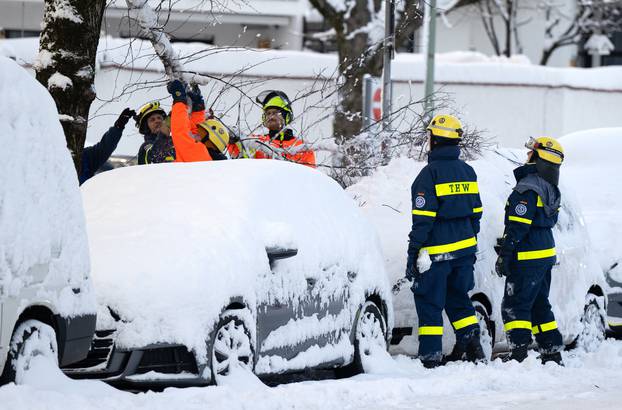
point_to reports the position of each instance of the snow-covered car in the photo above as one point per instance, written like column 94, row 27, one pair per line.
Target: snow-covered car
column 577, row 289
column 593, row 166
column 47, row 306
column 205, row 267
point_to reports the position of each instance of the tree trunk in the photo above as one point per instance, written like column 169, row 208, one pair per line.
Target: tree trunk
column 357, row 57
column 66, row 64
column 508, row 29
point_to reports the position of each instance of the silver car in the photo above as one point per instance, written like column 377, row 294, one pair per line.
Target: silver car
column 207, row 267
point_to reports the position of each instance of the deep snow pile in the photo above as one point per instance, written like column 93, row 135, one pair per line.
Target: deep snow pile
column 41, row 217
column 592, row 167
column 172, row 243
column 385, row 199
column 588, row 381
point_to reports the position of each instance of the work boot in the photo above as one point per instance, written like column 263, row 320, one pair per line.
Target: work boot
column 475, row 352
column 457, row 354
column 552, row 357
column 431, row 364
column 519, row 353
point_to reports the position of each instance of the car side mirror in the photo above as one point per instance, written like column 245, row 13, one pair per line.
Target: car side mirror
column 275, row 254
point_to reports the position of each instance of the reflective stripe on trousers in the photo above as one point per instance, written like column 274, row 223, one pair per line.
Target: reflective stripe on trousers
column 544, row 327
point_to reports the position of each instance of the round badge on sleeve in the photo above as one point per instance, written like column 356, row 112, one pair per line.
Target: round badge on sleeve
column 520, row 209
column 420, row 202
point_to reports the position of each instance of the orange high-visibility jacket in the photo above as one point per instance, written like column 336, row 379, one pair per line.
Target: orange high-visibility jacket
column 187, row 149
column 287, row 149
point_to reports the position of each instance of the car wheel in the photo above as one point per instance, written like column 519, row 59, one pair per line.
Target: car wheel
column 370, row 336
column 486, row 328
column 232, row 346
column 30, row 339
column 593, row 326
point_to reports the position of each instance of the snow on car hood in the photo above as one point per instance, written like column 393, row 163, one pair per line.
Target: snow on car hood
column 42, row 237
column 385, row 198
column 171, row 244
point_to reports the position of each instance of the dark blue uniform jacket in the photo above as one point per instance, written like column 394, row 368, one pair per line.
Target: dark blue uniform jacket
column 530, row 214
column 96, row 155
column 446, row 207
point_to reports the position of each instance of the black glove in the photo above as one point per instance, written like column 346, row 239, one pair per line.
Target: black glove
column 125, row 116
column 412, row 270
column 177, row 89
column 502, row 266
column 198, row 103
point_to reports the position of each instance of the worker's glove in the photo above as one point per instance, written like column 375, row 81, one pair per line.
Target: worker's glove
column 499, row 245
column 502, row 266
column 198, row 103
column 177, row 89
column 412, row 270
column 125, row 116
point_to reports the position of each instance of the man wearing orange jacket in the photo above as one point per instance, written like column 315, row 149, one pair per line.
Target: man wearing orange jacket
column 280, row 142
column 184, row 127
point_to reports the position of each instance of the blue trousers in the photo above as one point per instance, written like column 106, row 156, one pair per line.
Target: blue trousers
column 445, row 286
column 526, row 309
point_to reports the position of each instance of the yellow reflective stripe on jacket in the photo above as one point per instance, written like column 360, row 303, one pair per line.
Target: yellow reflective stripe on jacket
column 462, row 323
column 517, row 324
column 424, row 213
column 519, row 219
column 457, row 188
column 541, row 254
column 540, row 204
column 451, row 247
column 544, row 327
column 478, row 210
column 431, row 330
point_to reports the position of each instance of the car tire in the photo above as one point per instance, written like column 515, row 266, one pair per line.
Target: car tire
column 232, row 345
column 370, row 333
column 486, row 327
column 31, row 338
column 593, row 327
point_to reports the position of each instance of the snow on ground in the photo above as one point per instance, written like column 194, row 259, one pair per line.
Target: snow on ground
column 589, row 380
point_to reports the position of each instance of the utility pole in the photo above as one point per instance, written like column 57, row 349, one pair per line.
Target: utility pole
column 389, row 43
column 430, row 16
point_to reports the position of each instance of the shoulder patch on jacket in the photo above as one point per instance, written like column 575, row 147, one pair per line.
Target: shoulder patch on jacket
column 520, row 209
column 420, row 202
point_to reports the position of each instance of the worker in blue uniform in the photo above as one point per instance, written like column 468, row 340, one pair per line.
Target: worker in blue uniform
column 527, row 253
column 446, row 212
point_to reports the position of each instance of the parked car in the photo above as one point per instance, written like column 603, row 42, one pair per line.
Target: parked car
column 592, row 164
column 47, row 306
column 578, row 284
column 205, row 267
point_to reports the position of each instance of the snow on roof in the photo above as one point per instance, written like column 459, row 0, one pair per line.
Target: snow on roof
column 172, row 243
column 460, row 66
column 41, row 217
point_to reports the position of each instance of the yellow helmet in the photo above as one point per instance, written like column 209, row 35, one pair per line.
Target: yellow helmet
column 145, row 111
column 548, row 149
column 445, row 126
column 216, row 132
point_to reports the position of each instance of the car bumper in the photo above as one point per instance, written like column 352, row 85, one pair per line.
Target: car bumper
column 614, row 312
column 74, row 336
column 166, row 365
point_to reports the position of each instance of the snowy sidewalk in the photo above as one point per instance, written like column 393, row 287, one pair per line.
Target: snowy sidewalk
column 589, row 380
